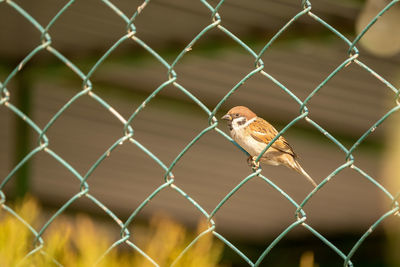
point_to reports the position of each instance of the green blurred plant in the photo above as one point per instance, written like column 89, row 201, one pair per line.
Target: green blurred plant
column 78, row 242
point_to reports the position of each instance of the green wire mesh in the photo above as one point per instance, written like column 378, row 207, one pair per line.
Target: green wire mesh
column 172, row 78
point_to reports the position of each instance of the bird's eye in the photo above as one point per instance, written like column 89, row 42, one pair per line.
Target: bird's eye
column 237, row 115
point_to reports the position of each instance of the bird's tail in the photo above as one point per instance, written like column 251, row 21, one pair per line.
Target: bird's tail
column 296, row 166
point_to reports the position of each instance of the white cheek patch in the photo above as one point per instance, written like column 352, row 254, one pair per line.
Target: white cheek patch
column 238, row 122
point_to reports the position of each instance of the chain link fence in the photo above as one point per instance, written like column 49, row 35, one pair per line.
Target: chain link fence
column 172, row 79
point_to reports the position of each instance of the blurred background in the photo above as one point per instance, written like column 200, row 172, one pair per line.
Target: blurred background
column 301, row 58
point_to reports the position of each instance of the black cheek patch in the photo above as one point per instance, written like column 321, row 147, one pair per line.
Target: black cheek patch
column 241, row 122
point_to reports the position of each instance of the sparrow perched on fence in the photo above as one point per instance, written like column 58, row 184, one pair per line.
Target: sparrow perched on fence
column 253, row 134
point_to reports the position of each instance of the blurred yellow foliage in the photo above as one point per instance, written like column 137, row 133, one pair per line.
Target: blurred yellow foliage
column 80, row 243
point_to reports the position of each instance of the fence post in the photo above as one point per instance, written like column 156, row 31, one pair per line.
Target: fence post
column 22, row 97
column 391, row 177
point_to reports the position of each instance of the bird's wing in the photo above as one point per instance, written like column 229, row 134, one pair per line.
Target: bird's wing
column 264, row 132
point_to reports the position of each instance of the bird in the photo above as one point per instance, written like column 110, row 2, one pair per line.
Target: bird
column 253, row 134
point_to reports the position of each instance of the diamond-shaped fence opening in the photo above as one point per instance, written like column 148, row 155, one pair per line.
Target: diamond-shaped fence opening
column 176, row 121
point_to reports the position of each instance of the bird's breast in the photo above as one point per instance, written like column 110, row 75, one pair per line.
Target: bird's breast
column 247, row 142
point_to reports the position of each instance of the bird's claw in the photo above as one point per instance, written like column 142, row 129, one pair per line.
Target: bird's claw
column 249, row 160
column 252, row 163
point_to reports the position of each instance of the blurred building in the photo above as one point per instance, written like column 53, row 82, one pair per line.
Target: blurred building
column 301, row 58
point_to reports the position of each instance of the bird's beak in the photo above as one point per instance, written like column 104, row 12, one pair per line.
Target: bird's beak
column 227, row 117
